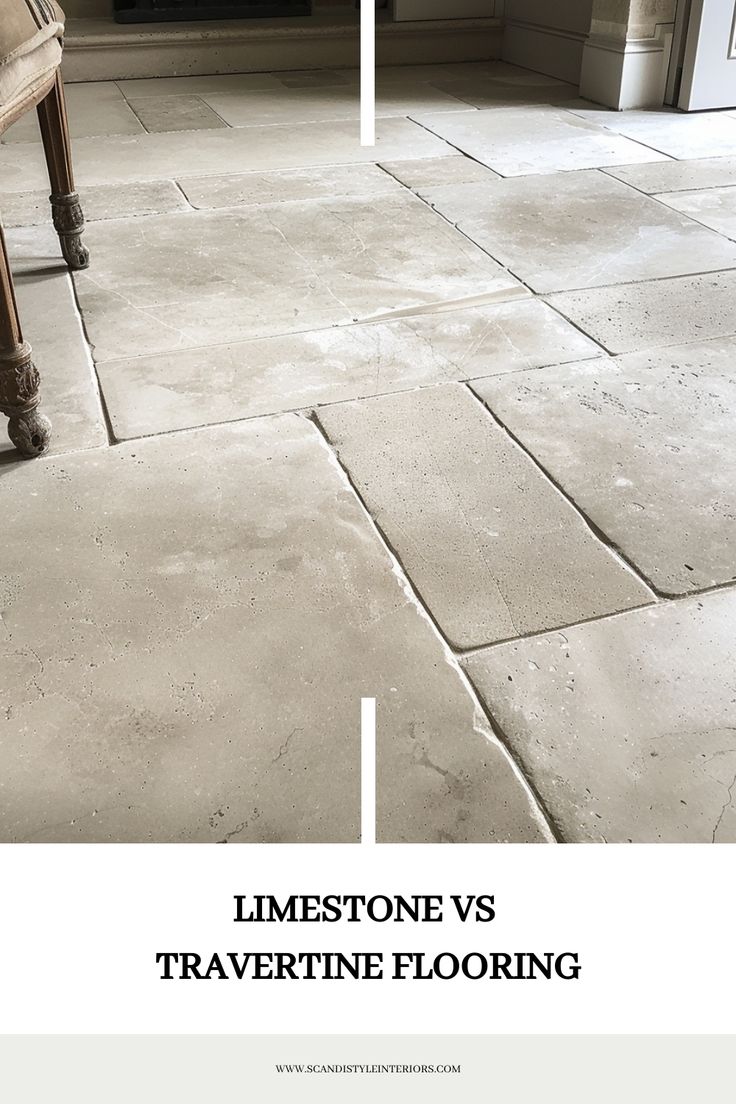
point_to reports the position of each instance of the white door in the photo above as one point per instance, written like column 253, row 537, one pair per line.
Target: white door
column 441, row 9
column 709, row 64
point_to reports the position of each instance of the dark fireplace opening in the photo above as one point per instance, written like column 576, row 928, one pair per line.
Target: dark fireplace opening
column 159, row 11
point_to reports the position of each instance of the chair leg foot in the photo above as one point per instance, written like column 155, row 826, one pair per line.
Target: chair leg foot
column 69, row 225
column 28, row 428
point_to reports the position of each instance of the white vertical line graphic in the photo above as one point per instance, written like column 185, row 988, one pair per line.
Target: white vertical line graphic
column 368, row 73
column 367, row 770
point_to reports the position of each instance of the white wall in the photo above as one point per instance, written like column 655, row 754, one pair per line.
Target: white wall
column 547, row 35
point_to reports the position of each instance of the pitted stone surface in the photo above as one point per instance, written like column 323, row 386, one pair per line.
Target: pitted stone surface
column 644, row 445
column 492, row 547
column 677, row 176
column 188, row 625
column 627, row 726
column 713, row 207
column 192, row 387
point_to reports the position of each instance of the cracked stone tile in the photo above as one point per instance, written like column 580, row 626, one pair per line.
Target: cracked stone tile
column 654, row 312
column 196, row 674
column 703, row 134
column 433, row 171
column 644, row 445
column 534, row 140
column 167, row 113
column 68, row 391
column 627, row 727
column 175, row 155
column 676, row 176
column 255, row 189
column 95, row 108
column 101, row 201
column 493, row 548
column 314, row 105
column 309, row 265
column 146, row 395
column 587, row 240
column 712, row 207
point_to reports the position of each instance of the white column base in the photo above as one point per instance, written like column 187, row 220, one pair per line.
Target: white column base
column 629, row 74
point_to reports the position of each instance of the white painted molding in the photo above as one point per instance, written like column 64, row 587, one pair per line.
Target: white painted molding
column 626, row 74
column 557, row 53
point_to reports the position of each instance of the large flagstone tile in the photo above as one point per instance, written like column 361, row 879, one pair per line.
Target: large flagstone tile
column 535, row 140
column 190, row 387
column 69, row 395
column 96, row 108
column 166, row 113
column 124, row 160
column 100, row 201
column 703, row 134
column 310, row 105
column 627, row 727
column 644, row 446
column 589, row 230
column 255, row 189
column 713, row 207
column 433, row 171
column 677, row 176
column 654, row 312
column 197, row 85
column 171, row 282
column 485, row 93
column 188, row 626
column 493, row 548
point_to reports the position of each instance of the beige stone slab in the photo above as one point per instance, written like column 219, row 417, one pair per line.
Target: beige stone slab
column 255, row 189
column 702, row 134
column 100, row 201
column 471, row 70
column 433, row 171
column 532, row 140
column 311, row 78
column 712, row 207
column 644, row 445
column 626, row 727
column 214, row 277
column 654, row 312
column 212, row 152
column 485, row 94
column 188, row 626
column 166, row 113
column 197, row 85
column 677, row 176
column 68, row 390
column 313, row 105
column 155, row 394
column 97, row 108
column 587, row 231
column 493, row 548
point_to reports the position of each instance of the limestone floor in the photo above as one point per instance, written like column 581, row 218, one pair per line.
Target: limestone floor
column 447, row 422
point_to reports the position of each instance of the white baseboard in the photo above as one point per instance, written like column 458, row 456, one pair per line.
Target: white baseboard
column 626, row 75
column 544, row 49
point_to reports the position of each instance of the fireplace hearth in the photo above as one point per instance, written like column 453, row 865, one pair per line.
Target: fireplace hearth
column 160, row 11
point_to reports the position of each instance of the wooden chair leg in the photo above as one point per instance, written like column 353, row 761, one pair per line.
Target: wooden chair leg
column 65, row 207
column 28, row 429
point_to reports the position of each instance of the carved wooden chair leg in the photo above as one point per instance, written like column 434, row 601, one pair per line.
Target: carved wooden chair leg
column 65, row 206
column 28, row 429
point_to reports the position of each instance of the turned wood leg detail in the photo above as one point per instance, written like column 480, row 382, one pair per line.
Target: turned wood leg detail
column 65, row 206
column 28, row 429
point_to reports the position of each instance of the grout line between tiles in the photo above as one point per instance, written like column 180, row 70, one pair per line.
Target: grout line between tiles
column 106, row 421
column 413, row 592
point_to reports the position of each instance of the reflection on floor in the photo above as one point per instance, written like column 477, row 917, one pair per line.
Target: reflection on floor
column 444, row 422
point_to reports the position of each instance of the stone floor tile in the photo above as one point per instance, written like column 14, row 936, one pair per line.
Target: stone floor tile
column 240, row 149
column 703, row 134
column 68, row 389
column 587, row 240
column 96, row 108
column 157, row 687
column 655, row 312
column 100, row 201
column 643, row 444
column 626, row 727
column 311, row 78
column 197, row 85
column 255, row 189
column 677, row 176
column 484, row 93
column 534, row 140
column 165, row 113
column 146, row 395
column 712, row 207
column 309, row 265
column 493, row 548
column 314, row 105
column 433, row 171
